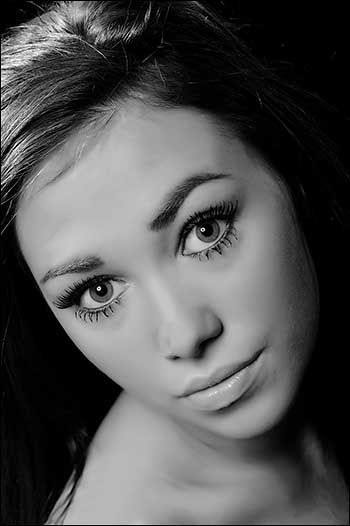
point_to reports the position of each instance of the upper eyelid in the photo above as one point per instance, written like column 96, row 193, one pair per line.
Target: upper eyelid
column 180, row 194
column 196, row 217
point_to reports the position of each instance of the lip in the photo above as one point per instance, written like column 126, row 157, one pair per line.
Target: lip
column 201, row 383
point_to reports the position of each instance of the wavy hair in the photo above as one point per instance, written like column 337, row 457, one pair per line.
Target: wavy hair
column 71, row 66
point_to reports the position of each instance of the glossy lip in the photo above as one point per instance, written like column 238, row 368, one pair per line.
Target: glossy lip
column 201, row 383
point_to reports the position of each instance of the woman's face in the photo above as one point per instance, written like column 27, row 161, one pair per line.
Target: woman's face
column 221, row 278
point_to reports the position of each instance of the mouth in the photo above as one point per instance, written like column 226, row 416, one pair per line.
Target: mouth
column 201, row 383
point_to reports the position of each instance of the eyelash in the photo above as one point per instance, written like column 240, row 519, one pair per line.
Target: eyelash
column 73, row 294
column 226, row 210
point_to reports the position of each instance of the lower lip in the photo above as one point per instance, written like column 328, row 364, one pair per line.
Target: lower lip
column 225, row 393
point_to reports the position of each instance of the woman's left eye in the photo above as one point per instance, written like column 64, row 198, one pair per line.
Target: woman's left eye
column 210, row 230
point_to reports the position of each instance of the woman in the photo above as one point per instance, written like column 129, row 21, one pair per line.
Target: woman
column 171, row 218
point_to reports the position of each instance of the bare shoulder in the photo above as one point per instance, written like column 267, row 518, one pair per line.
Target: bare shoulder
column 118, row 493
column 116, row 483
column 124, row 508
column 120, row 497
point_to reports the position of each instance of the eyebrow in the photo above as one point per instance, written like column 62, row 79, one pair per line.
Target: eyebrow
column 165, row 216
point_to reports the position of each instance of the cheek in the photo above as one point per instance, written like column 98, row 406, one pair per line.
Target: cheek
column 121, row 353
column 102, row 345
column 272, row 289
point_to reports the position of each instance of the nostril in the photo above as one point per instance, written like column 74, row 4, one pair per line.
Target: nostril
column 205, row 343
column 173, row 357
column 190, row 337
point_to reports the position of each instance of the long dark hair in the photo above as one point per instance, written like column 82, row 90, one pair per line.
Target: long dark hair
column 69, row 67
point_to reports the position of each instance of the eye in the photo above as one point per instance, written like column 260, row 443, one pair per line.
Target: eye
column 94, row 296
column 209, row 232
column 100, row 294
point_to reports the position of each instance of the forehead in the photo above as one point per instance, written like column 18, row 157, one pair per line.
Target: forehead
column 118, row 180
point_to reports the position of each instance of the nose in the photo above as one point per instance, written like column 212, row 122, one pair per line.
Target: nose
column 185, row 331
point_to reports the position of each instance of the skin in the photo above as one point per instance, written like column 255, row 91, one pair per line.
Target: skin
column 261, row 293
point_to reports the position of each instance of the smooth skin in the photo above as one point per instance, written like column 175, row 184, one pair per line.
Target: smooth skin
column 154, row 458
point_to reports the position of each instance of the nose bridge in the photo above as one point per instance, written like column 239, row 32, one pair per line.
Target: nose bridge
column 183, row 319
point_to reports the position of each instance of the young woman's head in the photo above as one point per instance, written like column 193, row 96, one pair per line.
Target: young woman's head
column 202, row 265
column 169, row 212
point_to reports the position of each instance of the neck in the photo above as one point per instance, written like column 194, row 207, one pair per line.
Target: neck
column 193, row 456
column 194, row 468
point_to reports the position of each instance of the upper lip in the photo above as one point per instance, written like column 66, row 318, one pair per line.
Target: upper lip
column 203, row 382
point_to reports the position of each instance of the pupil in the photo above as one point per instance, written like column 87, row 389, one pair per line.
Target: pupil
column 208, row 231
column 99, row 288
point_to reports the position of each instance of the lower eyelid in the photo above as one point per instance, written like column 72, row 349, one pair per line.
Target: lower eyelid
column 84, row 313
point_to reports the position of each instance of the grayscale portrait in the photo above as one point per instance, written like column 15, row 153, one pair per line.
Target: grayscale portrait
column 175, row 223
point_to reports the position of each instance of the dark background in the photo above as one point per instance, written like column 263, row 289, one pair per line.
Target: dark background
column 306, row 40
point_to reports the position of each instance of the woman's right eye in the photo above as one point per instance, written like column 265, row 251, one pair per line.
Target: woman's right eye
column 93, row 296
column 88, row 314
column 102, row 292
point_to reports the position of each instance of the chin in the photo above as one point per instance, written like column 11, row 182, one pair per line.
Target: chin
column 256, row 414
